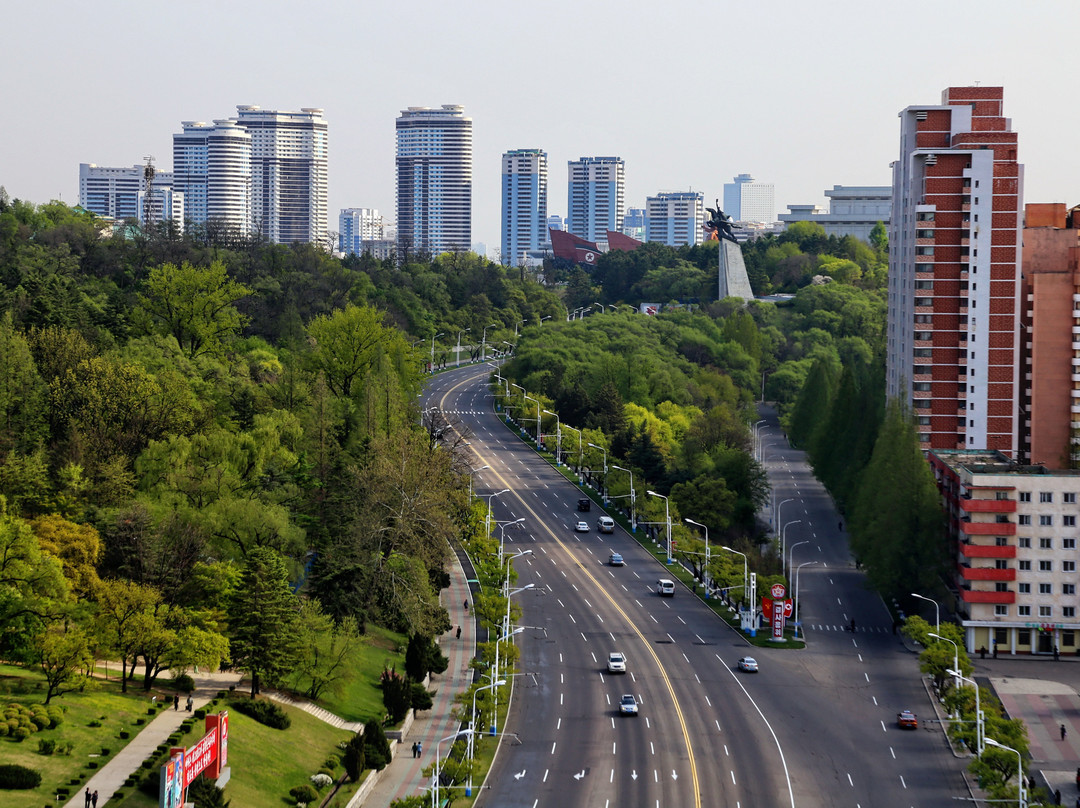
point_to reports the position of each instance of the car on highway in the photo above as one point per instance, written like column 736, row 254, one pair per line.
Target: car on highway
column 905, row 719
column 627, row 705
column 615, row 560
column 665, row 588
column 581, row 527
column 584, row 504
column 748, row 664
column 616, row 662
column 605, row 524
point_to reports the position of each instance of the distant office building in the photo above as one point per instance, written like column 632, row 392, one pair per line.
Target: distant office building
column 289, row 155
column 675, row 218
column 362, row 230
column 853, row 210
column 555, row 222
column 1050, row 326
column 633, row 224
column 524, row 203
column 595, row 196
column 746, row 200
column 955, row 271
column 212, row 169
column 434, row 179
column 120, row 193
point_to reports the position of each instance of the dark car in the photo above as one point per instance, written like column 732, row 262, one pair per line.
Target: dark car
column 584, row 504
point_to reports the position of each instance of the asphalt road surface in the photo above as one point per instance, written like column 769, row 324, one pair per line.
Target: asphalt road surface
column 813, row 728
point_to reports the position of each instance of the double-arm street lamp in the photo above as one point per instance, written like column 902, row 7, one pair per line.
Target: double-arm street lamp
column 706, row 575
column 506, row 632
column 487, row 518
column 978, row 711
column 602, row 449
column 435, row 337
column 797, row 569
column 667, row 521
column 558, row 437
column 502, row 535
column 483, row 341
column 472, row 728
column 791, row 553
column 956, row 654
column 937, row 610
column 633, row 498
column 783, row 542
column 1022, row 802
column 776, row 512
column 435, row 801
column 473, row 471
column 457, row 351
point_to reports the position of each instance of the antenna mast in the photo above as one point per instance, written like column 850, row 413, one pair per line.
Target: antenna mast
column 148, row 187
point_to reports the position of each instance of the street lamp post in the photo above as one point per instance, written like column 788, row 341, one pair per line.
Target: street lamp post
column 667, row 521
column 776, row 512
column 457, row 351
column 483, row 341
column 473, row 471
column 978, row 711
column 745, row 574
column 502, row 535
column 1022, row 802
column 706, row 529
column 783, row 542
column 956, row 654
column 602, row 449
column 435, row 802
column 507, row 634
column 633, row 498
column 558, row 437
column 517, row 325
column 797, row 569
column 472, row 727
column 433, row 349
column 527, row 397
column 937, row 610
column 579, row 454
column 757, row 439
column 487, row 518
column 546, row 317
column 791, row 553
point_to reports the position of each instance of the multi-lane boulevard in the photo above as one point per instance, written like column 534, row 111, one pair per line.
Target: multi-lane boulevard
column 813, row 728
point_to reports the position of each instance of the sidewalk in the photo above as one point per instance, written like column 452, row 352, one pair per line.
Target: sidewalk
column 129, row 759
column 404, row 776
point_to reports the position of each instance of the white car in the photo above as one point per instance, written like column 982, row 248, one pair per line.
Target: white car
column 748, row 664
column 581, row 527
column 627, row 705
column 616, row 662
column 665, row 588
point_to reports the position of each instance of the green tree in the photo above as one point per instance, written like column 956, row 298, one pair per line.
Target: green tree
column 376, row 746
column 353, row 759
column 195, row 305
column 396, row 694
column 33, row 590
column 423, row 656
column 263, row 619
column 347, row 345
column 63, row 654
column 814, row 401
column 327, row 650
column 120, row 606
column 22, row 392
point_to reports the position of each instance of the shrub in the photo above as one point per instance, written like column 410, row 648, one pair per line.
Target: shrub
column 56, row 716
column 332, row 762
column 124, row 735
column 65, row 747
column 95, row 723
column 328, row 772
column 14, row 776
column 139, row 722
column 200, row 713
column 151, row 710
column 105, row 751
column 321, row 780
column 304, row 793
column 46, row 746
column 149, row 785
column 263, row 711
column 21, row 733
column 354, row 757
column 376, row 747
column 63, row 791
column 91, row 764
column 129, row 782
column 183, row 683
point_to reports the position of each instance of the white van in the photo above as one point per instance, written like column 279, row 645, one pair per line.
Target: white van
column 605, row 524
column 665, row 588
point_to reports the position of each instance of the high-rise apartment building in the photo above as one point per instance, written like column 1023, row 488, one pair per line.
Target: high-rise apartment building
column 1050, row 346
column 595, row 196
column 363, row 230
column 633, row 224
column 675, row 218
column 434, row 179
column 954, row 272
column 120, row 193
column 747, row 200
column 289, row 157
column 524, row 203
column 212, row 169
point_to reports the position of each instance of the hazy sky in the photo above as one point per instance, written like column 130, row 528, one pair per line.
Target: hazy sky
column 803, row 95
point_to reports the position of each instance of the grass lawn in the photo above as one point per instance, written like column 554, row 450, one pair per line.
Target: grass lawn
column 267, row 762
column 100, row 702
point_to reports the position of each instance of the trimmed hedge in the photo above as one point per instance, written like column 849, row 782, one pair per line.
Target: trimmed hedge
column 14, row 776
column 263, row 711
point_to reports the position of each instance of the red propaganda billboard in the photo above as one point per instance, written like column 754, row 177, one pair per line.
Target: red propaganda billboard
column 171, row 790
column 778, row 610
column 208, row 755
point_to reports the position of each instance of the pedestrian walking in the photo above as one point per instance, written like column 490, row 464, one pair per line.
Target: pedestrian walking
column 93, row 799
column 1057, row 653
column 466, row 607
column 87, row 798
column 414, row 750
column 853, row 625
column 419, row 748
column 189, row 703
column 995, row 651
column 176, row 702
column 982, row 652
column 457, row 634
column 1063, row 733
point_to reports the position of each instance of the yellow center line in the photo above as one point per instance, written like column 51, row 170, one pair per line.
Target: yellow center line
column 615, row 605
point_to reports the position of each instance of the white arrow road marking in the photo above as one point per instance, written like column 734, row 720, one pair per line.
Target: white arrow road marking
column 633, row 774
column 519, row 775
column 674, row 776
column 579, row 775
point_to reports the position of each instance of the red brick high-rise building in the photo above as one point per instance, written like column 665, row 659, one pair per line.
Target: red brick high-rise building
column 954, row 272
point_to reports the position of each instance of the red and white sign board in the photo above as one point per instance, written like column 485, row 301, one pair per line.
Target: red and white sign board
column 778, row 610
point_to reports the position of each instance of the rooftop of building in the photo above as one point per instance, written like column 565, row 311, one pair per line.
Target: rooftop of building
column 988, row 461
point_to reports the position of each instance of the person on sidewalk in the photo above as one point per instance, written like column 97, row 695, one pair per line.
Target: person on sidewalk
column 1063, row 732
column 189, row 703
column 93, row 799
column 419, row 749
column 457, row 634
column 87, row 798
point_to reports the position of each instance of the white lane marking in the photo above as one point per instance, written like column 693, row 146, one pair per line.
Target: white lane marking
column 681, row 620
column 613, row 747
column 875, row 700
column 558, row 724
column 883, row 727
column 598, row 617
column 584, row 637
column 891, row 752
column 545, row 777
column 699, row 639
column 719, row 730
column 733, row 777
column 673, row 641
column 850, row 781
column 553, row 747
column 867, row 675
column 902, row 781
column 726, row 752
column 707, row 701
column 586, row 601
column 571, row 618
column 654, row 619
column 696, row 677
column 559, row 600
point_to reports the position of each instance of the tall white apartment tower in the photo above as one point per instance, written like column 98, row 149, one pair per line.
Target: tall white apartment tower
column 675, row 218
column 120, row 193
column 524, row 203
column 747, row 200
column 212, row 169
column 595, row 196
column 289, row 154
column 434, row 179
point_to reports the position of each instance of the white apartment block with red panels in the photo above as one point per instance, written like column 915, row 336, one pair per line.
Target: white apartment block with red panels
column 954, row 272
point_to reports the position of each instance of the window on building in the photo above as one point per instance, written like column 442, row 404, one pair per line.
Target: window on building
column 1046, row 496
column 1068, row 520
column 1023, row 611
column 1046, row 566
column 1025, row 496
column 1001, row 495
column 1046, row 544
column 1046, row 611
column 1067, row 637
column 1023, row 636
column 1069, row 499
column 1001, row 611
column 1001, row 541
column 1068, row 566
column 1001, row 587
column 1001, row 564
column 1024, row 565
column 1046, row 520
column 1046, row 589
column 1068, row 544
column 1023, row 519
column 1025, row 542
column 1068, row 589
column 1024, row 589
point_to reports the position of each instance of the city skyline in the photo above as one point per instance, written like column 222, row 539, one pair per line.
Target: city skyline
column 815, row 108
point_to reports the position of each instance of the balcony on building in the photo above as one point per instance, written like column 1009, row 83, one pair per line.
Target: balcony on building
column 969, row 573
column 971, row 504
column 995, row 551
column 980, row 596
column 969, row 528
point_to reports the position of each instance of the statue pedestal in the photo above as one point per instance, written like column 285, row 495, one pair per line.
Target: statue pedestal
column 734, row 281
